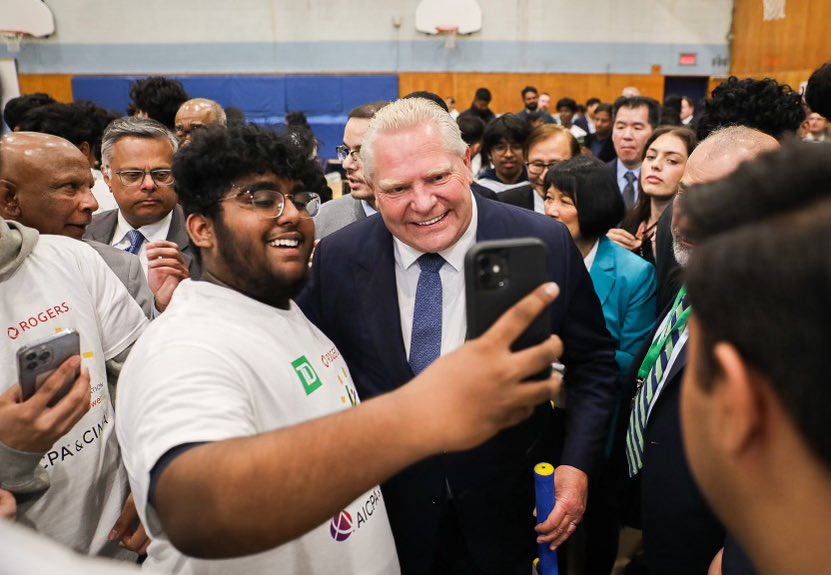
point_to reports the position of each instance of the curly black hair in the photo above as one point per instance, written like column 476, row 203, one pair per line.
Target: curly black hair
column 818, row 92
column 158, row 97
column 218, row 156
column 765, row 105
column 64, row 120
column 100, row 118
column 16, row 108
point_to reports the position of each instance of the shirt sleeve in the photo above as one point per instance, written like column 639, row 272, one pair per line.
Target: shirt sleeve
column 120, row 318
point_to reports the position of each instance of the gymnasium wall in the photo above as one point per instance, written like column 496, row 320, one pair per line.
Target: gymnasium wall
column 314, row 36
column 788, row 50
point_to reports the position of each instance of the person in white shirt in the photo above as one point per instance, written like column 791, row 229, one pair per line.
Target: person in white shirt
column 234, row 396
column 137, row 156
column 63, row 463
column 687, row 110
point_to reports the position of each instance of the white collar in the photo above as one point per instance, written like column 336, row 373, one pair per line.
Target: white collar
column 152, row 232
column 406, row 256
column 589, row 259
column 621, row 171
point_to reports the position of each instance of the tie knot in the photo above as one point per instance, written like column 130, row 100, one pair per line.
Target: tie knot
column 430, row 262
column 630, row 177
column 134, row 235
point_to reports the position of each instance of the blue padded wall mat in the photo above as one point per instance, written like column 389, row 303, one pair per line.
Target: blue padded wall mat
column 326, row 99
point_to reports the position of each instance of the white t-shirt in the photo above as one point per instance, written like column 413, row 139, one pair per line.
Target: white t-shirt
column 65, row 284
column 219, row 365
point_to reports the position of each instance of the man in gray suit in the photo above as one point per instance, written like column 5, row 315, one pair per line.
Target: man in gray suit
column 45, row 183
column 360, row 202
column 137, row 158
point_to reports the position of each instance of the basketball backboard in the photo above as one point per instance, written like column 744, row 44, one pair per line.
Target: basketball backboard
column 31, row 17
column 434, row 16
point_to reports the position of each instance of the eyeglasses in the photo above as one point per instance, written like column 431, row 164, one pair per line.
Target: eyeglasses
column 269, row 204
column 344, row 152
column 133, row 177
column 538, row 167
column 502, row 148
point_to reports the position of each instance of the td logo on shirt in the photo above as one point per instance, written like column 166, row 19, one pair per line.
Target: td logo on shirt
column 307, row 374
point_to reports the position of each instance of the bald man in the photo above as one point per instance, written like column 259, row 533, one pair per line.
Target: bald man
column 195, row 114
column 681, row 535
column 45, row 184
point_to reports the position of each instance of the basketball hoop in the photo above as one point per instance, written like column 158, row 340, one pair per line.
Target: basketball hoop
column 12, row 40
column 449, row 33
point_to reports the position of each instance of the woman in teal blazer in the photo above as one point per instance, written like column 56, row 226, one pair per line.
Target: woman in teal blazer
column 582, row 193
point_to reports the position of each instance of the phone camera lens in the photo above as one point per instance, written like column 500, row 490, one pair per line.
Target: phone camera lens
column 495, row 269
column 44, row 355
column 31, row 356
column 31, row 365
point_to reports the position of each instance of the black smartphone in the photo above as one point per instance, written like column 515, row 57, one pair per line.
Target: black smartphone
column 37, row 361
column 497, row 275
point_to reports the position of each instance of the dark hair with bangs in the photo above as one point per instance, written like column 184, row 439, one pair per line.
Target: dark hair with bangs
column 592, row 187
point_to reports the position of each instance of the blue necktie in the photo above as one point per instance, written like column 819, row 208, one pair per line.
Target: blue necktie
column 136, row 239
column 646, row 394
column 425, row 343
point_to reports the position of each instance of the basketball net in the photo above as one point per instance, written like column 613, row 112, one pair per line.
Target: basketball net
column 773, row 10
column 450, row 35
column 12, row 41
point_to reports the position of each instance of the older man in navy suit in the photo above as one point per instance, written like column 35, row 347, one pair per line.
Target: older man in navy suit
column 390, row 291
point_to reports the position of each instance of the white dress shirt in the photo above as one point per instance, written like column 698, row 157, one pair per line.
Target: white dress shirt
column 154, row 232
column 590, row 257
column 368, row 210
column 621, row 180
column 539, row 202
column 453, row 315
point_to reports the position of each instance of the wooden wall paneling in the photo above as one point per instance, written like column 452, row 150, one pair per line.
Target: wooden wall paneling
column 506, row 88
column 59, row 86
column 799, row 41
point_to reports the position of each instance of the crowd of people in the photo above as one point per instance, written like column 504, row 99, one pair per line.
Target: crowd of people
column 272, row 381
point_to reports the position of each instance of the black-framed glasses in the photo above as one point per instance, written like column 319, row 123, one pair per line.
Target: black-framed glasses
column 134, row 177
column 537, row 167
column 269, row 204
column 344, row 152
column 503, row 147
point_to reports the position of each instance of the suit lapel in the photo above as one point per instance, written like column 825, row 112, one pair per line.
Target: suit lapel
column 177, row 232
column 358, row 210
column 603, row 271
column 375, row 277
column 102, row 227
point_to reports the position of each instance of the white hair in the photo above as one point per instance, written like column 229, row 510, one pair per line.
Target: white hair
column 133, row 127
column 409, row 113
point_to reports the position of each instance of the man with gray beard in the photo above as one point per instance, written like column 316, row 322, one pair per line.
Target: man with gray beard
column 680, row 533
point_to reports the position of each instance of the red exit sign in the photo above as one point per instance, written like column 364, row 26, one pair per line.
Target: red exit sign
column 688, row 59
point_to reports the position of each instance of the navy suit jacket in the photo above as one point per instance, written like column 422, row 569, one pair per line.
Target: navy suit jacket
column 352, row 297
column 680, row 532
column 521, row 196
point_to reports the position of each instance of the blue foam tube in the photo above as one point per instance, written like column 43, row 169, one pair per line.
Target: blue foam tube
column 544, row 487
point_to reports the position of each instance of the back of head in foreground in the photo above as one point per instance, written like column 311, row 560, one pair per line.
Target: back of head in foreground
column 756, row 402
column 766, row 105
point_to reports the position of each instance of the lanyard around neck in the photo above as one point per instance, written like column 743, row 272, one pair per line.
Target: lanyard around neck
column 658, row 345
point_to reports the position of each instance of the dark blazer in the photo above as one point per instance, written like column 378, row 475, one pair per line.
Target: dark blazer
column 607, row 152
column 352, row 297
column 681, row 535
column 522, row 196
column 669, row 272
column 103, row 227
